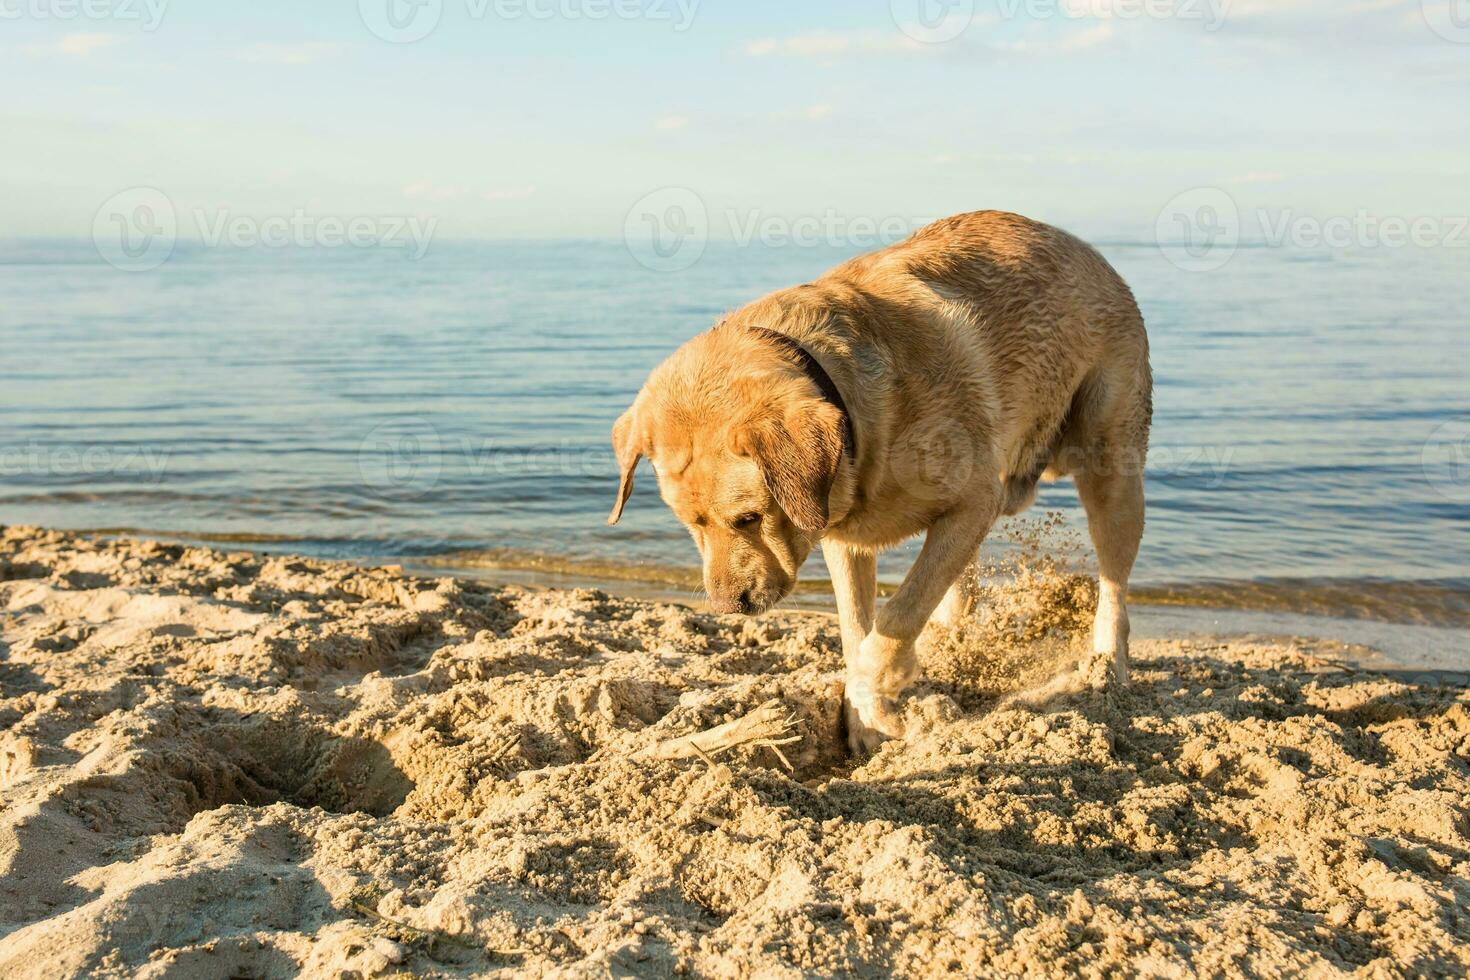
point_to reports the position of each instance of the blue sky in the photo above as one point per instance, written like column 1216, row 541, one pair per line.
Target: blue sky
column 539, row 118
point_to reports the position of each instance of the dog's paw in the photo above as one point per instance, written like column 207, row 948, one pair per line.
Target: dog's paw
column 871, row 721
column 1104, row 670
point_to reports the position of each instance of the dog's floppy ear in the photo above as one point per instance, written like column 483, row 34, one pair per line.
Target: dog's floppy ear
column 627, row 442
column 798, row 451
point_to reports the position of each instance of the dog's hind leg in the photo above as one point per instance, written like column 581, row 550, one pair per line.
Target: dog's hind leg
column 1108, row 444
column 1114, row 505
column 1103, row 446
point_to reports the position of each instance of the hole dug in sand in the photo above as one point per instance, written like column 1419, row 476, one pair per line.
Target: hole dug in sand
column 258, row 762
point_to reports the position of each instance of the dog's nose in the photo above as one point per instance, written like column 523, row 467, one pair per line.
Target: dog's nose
column 744, row 602
column 726, row 604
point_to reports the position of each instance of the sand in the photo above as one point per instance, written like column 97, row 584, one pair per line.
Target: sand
column 240, row 765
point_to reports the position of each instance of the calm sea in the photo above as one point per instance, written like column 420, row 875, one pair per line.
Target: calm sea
column 1311, row 446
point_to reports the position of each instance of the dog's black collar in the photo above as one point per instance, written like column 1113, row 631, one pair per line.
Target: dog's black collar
column 821, row 379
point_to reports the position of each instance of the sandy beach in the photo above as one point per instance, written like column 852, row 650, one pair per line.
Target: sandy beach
column 228, row 764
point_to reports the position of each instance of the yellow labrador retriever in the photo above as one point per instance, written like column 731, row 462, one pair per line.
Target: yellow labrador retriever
column 925, row 387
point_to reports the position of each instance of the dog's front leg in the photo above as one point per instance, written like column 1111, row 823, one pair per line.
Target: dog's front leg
column 886, row 662
column 855, row 585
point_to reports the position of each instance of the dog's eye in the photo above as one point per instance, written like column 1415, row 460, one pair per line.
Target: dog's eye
column 746, row 522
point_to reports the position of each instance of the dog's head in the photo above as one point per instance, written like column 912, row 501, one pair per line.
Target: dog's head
column 745, row 449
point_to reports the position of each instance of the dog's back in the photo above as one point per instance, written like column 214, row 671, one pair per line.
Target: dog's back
column 1057, row 332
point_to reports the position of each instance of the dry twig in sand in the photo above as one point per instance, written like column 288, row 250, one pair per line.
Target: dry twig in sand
column 771, row 725
column 423, row 937
column 497, row 757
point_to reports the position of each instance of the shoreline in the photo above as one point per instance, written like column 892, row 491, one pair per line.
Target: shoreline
column 1411, row 602
column 1418, row 650
column 1435, row 640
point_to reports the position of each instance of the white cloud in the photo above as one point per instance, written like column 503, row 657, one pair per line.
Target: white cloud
column 75, row 45
column 1079, row 40
column 304, row 53
column 427, row 190
column 809, row 113
column 510, row 193
column 1258, row 177
column 1258, row 8
column 988, row 159
column 825, row 46
column 1330, row 22
column 671, row 122
column 1082, row 40
column 1268, row 21
column 828, row 48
